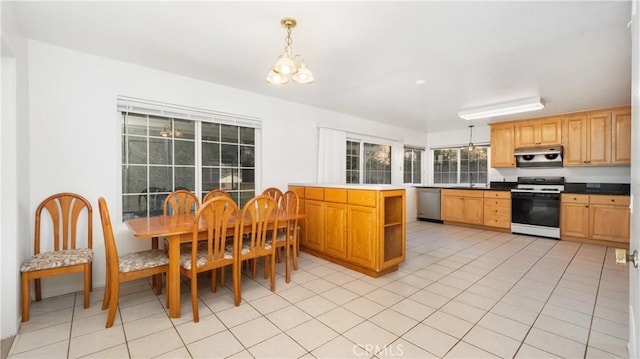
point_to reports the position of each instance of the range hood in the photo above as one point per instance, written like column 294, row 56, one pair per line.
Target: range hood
column 539, row 157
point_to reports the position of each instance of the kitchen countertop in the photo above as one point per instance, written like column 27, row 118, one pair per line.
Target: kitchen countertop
column 377, row 187
column 619, row 189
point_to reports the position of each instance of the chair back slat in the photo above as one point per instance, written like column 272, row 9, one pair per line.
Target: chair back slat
column 65, row 210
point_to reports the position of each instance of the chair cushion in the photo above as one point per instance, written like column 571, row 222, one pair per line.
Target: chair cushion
column 48, row 260
column 245, row 246
column 142, row 260
column 185, row 258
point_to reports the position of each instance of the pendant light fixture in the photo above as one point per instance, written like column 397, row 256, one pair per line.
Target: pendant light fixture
column 471, row 146
column 289, row 65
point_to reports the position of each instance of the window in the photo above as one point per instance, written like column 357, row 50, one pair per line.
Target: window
column 162, row 154
column 413, row 165
column 374, row 160
column 460, row 165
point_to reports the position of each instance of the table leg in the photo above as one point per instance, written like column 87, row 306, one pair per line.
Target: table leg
column 173, row 277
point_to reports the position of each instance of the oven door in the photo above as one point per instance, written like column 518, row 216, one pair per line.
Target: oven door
column 535, row 209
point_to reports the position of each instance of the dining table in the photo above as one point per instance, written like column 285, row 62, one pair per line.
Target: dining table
column 179, row 229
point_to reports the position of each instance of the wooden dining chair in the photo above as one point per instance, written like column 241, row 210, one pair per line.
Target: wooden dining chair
column 127, row 267
column 180, row 201
column 67, row 255
column 219, row 215
column 274, row 193
column 214, row 193
column 259, row 221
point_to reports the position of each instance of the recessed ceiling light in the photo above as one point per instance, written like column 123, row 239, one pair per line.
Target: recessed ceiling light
column 421, row 82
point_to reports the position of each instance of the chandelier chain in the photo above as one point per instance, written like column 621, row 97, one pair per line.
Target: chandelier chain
column 288, row 38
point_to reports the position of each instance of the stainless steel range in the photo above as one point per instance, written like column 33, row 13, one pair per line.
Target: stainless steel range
column 535, row 206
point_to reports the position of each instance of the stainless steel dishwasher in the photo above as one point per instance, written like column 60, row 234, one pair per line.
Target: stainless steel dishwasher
column 429, row 204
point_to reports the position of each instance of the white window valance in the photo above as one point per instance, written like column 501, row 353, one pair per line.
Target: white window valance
column 150, row 107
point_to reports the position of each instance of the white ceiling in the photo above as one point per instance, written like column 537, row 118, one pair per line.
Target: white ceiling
column 366, row 56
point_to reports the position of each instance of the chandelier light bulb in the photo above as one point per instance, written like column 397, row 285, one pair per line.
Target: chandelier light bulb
column 304, row 75
column 276, row 78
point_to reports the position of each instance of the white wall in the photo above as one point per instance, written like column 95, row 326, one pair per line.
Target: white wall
column 75, row 132
column 15, row 228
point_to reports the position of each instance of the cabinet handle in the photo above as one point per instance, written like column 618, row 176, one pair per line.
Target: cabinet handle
column 613, row 200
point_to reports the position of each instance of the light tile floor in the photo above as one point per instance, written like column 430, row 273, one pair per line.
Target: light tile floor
column 462, row 293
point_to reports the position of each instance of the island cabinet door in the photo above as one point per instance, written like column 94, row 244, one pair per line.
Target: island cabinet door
column 336, row 230
column 314, row 225
column 362, row 236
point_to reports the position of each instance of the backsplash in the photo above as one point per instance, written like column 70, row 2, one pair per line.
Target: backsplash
column 603, row 174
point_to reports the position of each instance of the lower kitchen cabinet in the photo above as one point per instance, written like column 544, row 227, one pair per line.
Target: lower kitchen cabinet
column 609, row 218
column 497, row 209
column 314, row 225
column 359, row 227
column 462, row 206
column 600, row 219
column 335, row 229
column 362, row 224
column 574, row 215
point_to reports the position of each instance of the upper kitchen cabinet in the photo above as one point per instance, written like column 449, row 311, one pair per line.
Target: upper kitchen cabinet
column 538, row 132
column 597, row 138
column 502, row 140
column 621, row 137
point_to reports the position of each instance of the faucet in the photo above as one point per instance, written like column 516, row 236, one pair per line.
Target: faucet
column 470, row 180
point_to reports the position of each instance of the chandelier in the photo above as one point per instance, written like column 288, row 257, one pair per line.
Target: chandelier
column 289, row 65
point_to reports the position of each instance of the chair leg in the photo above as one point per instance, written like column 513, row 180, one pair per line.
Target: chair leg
column 272, row 269
column 213, row 273
column 235, row 269
column 254, row 267
column 113, row 303
column 222, row 280
column 287, row 262
column 194, row 297
column 266, row 265
column 278, row 259
column 295, row 256
column 107, row 292
column 25, row 296
column 38, row 289
column 87, row 284
column 157, row 278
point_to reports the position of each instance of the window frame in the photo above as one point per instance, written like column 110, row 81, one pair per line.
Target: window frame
column 459, row 149
column 198, row 117
column 422, row 152
column 361, row 160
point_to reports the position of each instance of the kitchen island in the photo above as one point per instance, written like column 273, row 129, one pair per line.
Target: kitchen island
column 361, row 227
